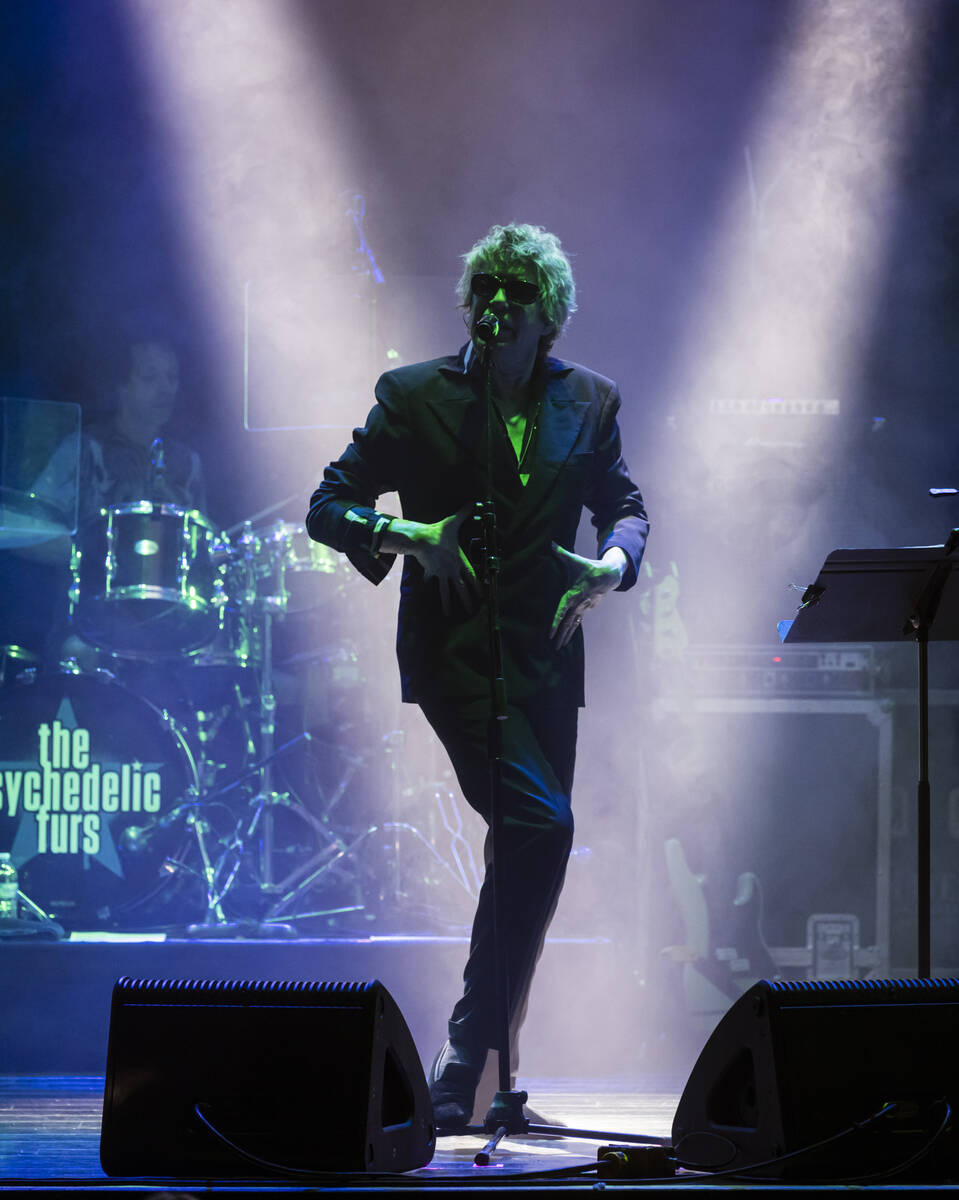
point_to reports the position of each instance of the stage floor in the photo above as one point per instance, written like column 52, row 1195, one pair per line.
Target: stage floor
column 50, row 1126
column 50, row 1129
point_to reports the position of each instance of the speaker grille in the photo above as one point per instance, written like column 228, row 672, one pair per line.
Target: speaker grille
column 863, row 991
column 238, row 991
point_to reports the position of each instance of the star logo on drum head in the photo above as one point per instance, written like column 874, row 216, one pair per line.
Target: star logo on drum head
column 16, row 776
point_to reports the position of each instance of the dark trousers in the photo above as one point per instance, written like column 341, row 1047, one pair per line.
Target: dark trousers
column 539, row 752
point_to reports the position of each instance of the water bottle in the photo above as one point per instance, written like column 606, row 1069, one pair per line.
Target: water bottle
column 8, row 888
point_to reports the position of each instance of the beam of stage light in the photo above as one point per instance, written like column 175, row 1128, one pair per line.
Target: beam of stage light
column 786, row 298
column 258, row 140
column 263, row 157
column 260, row 153
column 771, row 356
column 770, row 361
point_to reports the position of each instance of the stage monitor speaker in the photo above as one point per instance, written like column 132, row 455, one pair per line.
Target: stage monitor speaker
column 311, row 1076
column 794, row 1062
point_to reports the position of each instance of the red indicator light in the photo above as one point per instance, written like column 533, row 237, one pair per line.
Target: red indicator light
column 777, row 658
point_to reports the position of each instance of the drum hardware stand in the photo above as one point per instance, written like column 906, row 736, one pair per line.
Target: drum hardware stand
column 401, row 897
column 214, row 923
column 267, row 798
column 353, row 763
column 260, row 611
column 305, row 875
column 321, row 912
column 393, row 741
column 460, row 848
column 339, row 851
column 293, row 804
column 208, row 724
column 402, row 786
column 241, row 704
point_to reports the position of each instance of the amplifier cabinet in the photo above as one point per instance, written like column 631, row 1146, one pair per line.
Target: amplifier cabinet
column 800, row 790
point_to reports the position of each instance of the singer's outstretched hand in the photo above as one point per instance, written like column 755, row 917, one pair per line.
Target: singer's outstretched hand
column 591, row 579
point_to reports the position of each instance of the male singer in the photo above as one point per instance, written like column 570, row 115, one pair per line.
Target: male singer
column 555, row 448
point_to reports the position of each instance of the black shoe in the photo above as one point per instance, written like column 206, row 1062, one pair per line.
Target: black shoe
column 452, row 1081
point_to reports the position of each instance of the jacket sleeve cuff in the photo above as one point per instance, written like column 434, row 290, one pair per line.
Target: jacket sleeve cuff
column 363, row 529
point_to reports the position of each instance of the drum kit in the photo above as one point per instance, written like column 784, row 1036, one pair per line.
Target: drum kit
column 203, row 759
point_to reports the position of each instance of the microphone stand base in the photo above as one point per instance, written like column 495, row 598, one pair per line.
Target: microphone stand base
column 507, row 1111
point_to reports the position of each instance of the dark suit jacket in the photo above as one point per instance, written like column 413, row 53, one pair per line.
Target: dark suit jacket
column 426, row 439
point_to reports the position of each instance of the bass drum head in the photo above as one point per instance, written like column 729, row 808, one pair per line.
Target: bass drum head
column 95, row 787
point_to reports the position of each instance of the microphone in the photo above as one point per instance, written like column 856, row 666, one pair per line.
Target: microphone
column 486, row 328
column 157, row 461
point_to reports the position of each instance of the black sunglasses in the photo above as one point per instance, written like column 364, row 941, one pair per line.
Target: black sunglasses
column 518, row 291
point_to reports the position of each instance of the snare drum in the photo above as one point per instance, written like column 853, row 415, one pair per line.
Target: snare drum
column 144, row 580
column 93, row 778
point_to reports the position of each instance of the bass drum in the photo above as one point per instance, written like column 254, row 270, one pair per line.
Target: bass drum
column 96, row 784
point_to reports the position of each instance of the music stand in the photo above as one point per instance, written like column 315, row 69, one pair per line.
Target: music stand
column 888, row 596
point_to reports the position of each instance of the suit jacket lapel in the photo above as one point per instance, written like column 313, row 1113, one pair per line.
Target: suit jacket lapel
column 458, row 410
column 461, row 416
column 560, row 422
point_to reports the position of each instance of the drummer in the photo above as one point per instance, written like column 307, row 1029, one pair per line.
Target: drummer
column 126, row 456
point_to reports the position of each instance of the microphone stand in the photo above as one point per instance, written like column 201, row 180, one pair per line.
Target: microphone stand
column 505, row 1115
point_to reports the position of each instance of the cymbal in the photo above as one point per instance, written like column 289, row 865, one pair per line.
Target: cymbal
column 27, row 519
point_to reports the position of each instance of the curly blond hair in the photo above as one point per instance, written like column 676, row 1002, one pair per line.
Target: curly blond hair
column 511, row 247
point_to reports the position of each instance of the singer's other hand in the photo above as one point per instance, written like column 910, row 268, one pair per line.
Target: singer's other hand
column 590, row 580
column 437, row 549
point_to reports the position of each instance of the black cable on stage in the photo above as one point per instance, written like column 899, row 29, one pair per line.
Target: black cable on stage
column 402, row 1178
column 730, row 1172
column 582, row 1169
column 855, row 1127
column 887, row 1172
